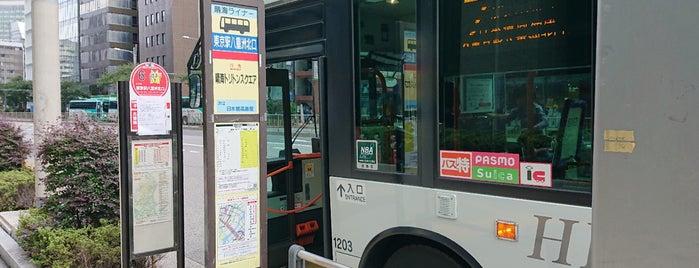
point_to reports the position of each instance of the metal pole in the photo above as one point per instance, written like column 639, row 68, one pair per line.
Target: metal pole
column 294, row 260
column 298, row 256
column 134, row 53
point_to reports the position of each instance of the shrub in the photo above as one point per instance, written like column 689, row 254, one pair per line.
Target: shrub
column 49, row 246
column 16, row 189
column 81, row 160
column 78, row 224
column 13, row 148
column 27, row 234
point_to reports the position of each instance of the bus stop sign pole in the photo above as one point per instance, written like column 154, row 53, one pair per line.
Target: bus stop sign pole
column 151, row 187
column 233, row 80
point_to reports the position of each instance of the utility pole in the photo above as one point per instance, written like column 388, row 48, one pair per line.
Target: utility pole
column 47, row 76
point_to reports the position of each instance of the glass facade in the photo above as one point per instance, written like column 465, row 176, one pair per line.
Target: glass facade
column 10, row 12
column 69, row 35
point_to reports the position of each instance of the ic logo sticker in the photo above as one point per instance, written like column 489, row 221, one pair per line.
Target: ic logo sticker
column 535, row 174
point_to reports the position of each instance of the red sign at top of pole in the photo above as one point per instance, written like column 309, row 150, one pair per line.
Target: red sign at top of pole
column 149, row 79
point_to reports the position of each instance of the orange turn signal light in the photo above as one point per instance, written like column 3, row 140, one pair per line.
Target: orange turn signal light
column 506, row 230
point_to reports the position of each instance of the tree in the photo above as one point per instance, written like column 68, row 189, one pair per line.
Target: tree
column 17, row 92
column 110, row 79
column 71, row 90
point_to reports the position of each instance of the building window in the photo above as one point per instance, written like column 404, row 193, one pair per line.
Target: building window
column 162, row 36
column 147, row 20
column 162, row 15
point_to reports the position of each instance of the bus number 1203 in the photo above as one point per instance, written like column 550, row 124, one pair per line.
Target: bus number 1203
column 342, row 244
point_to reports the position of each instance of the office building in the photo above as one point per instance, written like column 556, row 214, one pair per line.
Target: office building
column 108, row 38
column 17, row 33
column 10, row 11
column 68, row 34
column 169, row 30
column 11, row 60
column 28, row 59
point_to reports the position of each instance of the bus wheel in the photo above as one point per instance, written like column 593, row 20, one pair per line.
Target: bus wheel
column 185, row 120
column 417, row 255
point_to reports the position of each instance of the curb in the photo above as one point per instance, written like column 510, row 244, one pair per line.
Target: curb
column 10, row 252
column 13, row 255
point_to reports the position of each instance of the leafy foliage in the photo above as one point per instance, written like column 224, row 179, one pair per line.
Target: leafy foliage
column 71, row 90
column 13, row 148
column 275, row 107
column 78, row 226
column 81, row 160
column 49, row 246
column 17, row 93
column 16, row 189
column 111, row 78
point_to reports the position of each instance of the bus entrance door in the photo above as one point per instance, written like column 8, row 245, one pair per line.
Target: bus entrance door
column 294, row 181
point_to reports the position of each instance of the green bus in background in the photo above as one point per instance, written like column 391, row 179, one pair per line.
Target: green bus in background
column 93, row 108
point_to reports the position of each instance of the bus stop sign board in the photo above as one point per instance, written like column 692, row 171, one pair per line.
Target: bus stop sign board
column 233, row 80
column 149, row 79
column 149, row 93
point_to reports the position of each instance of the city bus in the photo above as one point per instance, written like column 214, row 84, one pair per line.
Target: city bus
column 516, row 134
column 92, row 108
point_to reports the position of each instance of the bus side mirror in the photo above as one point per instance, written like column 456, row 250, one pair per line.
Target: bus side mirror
column 194, row 90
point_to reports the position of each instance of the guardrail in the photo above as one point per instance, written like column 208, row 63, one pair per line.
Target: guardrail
column 28, row 116
column 298, row 256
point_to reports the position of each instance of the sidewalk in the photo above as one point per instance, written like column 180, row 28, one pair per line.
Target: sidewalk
column 10, row 252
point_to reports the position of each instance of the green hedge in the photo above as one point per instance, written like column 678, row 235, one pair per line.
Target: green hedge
column 58, row 247
column 16, row 190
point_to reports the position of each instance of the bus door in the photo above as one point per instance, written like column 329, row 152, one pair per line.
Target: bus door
column 294, row 180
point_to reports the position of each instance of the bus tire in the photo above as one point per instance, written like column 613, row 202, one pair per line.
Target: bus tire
column 417, row 255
